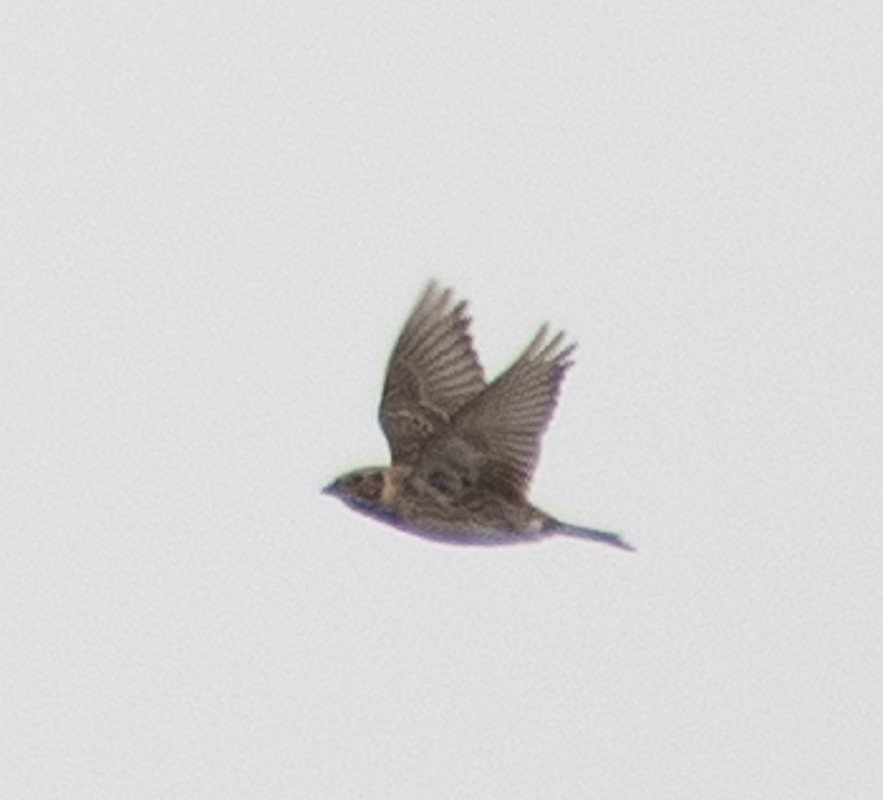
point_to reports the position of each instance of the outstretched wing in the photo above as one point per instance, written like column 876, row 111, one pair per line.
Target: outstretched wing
column 503, row 425
column 433, row 371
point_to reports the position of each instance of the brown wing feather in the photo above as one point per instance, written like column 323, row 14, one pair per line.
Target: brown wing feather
column 433, row 371
column 506, row 422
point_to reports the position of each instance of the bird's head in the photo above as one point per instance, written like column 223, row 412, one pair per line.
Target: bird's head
column 361, row 489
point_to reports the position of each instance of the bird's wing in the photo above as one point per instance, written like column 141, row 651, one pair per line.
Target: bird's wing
column 506, row 422
column 433, row 371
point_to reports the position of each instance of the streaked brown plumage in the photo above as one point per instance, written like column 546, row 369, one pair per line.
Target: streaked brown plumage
column 463, row 451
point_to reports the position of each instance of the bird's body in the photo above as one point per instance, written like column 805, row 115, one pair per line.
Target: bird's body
column 463, row 451
column 436, row 507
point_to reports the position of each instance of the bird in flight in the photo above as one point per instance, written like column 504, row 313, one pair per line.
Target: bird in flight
column 463, row 450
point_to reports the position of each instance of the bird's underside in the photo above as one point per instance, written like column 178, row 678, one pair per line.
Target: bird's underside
column 463, row 451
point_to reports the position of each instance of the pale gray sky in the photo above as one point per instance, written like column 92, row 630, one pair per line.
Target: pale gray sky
column 215, row 219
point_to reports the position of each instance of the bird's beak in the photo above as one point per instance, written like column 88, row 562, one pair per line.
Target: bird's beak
column 330, row 488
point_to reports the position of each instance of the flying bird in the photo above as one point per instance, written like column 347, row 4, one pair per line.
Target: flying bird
column 463, row 450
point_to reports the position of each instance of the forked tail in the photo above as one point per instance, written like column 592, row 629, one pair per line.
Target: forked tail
column 598, row 536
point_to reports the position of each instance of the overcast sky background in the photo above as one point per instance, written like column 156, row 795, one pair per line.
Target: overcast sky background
column 215, row 219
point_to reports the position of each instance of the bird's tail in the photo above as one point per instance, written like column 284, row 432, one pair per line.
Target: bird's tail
column 598, row 536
